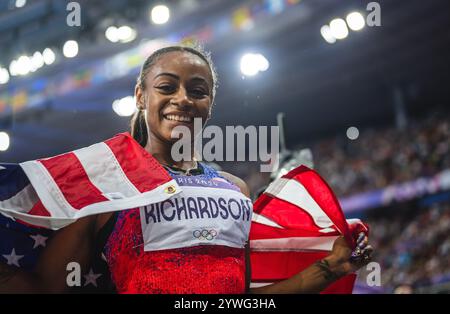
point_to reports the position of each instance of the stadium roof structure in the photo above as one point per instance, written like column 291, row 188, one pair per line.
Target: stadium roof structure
column 322, row 88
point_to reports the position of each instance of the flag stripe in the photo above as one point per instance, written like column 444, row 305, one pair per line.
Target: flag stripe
column 13, row 180
column 104, row 171
column 295, row 193
column 132, row 157
column 270, row 266
column 341, row 286
column 65, row 170
column 22, row 201
column 39, row 210
column 324, row 196
column 294, row 243
column 264, row 220
column 260, row 231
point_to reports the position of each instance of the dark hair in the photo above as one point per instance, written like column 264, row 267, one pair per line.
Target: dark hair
column 138, row 124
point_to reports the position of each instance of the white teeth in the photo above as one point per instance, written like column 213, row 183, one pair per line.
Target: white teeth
column 178, row 118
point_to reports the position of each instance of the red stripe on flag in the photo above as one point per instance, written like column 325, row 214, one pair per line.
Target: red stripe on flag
column 267, row 266
column 141, row 168
column 277, row 266
column 287, row 215
column 324, row 197
column 71, row 178
column 261, row 231
column 37, row 210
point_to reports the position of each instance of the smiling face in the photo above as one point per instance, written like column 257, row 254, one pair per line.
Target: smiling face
column 178, row 88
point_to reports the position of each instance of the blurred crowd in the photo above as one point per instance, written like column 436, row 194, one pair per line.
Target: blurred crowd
column 383, row 157
column 412, row 250
column 412, row 244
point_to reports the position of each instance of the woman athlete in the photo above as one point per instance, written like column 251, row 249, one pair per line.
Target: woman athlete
column 176, row 85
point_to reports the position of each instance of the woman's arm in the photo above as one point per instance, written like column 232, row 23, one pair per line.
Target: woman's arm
column 73, row 243
column 320, row 275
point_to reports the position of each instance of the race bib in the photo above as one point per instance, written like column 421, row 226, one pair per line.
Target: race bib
column 205, row 212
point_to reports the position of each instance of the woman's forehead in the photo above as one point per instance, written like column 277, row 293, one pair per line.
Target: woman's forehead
column 182, row 64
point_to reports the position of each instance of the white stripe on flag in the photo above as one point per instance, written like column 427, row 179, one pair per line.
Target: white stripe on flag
column 48, row 191
column 259, row 284
column 295, row 193
column 294, row 244
column 264, row 221
column 22, row 201
column 104, row 171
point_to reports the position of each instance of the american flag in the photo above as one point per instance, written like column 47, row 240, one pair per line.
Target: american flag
column 109, row 176
column 295, row 221
column 40, row 196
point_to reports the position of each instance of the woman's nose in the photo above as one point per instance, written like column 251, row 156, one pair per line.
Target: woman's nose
column 182, row 98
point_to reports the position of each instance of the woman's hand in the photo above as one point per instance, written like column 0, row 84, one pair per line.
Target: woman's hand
column 343, row 260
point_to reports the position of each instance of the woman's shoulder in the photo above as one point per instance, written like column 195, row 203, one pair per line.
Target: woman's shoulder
column 236, row 180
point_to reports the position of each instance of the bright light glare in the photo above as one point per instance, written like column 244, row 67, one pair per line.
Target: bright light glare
column 126, row 34
column 111, row 34
column 37, row 61
column 70, row 49
column 4, row 76
column 355, row 21
column 20, row 3
column 160, row 14
column 326, row 34
column 252, row 64
column 352, row 133
column 4, row 141
column 23, row 65
column 124, row 107
column 338, row 28
column 13, row 68
column 49, row 56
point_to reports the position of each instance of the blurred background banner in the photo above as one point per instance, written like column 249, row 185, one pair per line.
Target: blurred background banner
column 363, row 87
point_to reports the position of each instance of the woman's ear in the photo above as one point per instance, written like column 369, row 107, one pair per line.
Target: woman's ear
column 139, row 95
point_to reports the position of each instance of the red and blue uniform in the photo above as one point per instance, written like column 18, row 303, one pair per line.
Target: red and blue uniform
column 210, row 260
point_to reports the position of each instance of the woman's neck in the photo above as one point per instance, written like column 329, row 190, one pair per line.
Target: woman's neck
column 162, row 151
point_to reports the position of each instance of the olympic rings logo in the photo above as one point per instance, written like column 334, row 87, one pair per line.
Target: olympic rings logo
column 205, row 234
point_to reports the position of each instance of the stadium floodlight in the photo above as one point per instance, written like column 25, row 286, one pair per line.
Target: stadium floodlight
column 326, row 34
column 355, row 21
column 49, row 56
column 252, row 64
column 352, row 133
column 125, row 107
column 338, row 28
column 111, row 34
column 70, row 49
column 4, row 141
column 4, row 76
column 160, row 14
column 126, row 34
column 20, row 3
column 37, row 60
column 23, row 65
column 13, row 68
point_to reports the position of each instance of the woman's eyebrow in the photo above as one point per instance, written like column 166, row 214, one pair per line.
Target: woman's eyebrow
column 194, row 78
column 199, row 78
column 168, row 74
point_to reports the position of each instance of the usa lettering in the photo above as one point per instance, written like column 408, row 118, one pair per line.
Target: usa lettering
column 187, row 208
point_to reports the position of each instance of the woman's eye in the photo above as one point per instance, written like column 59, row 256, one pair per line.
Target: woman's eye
column 199, row 93
column 166, row 88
